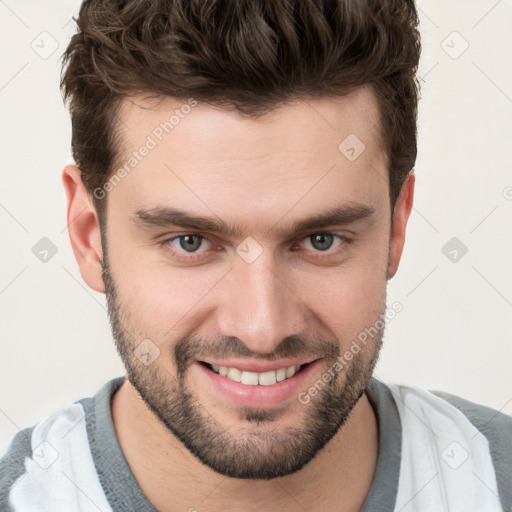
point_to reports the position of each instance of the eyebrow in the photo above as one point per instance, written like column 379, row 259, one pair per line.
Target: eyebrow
column 162, row 216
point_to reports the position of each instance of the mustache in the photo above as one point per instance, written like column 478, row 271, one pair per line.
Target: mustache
column 194, row 347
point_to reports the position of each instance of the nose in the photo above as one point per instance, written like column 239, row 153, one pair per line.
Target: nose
column 259, row 305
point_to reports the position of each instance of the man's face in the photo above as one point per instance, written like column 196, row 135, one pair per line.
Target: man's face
column 262, row 295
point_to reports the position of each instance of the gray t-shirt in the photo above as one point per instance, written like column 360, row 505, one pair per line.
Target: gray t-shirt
column 437, row 452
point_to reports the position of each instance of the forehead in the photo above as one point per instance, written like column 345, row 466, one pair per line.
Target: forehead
column 319, row 121
column 197, row 157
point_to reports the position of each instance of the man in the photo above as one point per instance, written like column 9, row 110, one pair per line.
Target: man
column 241, row 192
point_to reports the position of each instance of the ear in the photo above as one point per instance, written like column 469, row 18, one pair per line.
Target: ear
column 401, row 212
column 83, row 228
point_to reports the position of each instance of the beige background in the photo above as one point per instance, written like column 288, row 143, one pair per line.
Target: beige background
column 455, row 329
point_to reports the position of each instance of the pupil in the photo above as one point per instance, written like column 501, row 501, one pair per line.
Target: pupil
column 324, row 241
column 187, row 242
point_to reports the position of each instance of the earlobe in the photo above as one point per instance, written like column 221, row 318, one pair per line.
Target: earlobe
column 401, row 214
column 84, row 229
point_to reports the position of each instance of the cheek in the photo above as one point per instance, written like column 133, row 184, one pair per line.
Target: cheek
column 168, row 303
column 351, row 297
column 346, row 303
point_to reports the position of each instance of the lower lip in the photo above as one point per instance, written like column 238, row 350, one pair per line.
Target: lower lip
column 258, row 396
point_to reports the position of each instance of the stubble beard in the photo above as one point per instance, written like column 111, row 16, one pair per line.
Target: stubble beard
column 255, row 447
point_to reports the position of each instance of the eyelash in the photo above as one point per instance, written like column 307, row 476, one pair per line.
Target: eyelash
column 194, row 256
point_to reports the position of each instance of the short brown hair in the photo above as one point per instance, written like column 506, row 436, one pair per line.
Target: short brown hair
column 248, row 55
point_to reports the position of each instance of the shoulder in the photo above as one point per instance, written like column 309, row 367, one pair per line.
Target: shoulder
column 34, row 467
column 12, row 464
column 493, row 424
column 34, row 452
column 465, row 437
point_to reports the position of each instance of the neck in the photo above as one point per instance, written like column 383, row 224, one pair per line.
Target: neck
column 174, row 479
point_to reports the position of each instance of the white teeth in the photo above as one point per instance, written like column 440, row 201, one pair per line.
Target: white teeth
column 290, row 371
column 267, row 378
column 281, row 374
column 252, row 378
column 234, row 374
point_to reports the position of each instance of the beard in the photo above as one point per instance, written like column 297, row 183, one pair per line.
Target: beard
column 258, row 449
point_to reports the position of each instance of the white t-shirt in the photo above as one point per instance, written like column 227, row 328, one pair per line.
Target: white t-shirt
column 437, row 452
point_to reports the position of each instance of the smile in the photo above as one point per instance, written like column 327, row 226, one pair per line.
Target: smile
column 267, row 378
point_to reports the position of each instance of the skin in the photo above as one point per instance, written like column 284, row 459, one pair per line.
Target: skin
column 260, row 174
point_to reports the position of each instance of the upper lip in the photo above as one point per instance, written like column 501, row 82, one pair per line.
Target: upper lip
column 259, row 366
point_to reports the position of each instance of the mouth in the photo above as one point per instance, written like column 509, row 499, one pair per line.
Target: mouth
column 256, row 389
column 253, row 378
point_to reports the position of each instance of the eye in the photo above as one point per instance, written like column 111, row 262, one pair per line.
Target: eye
column 323, row 242
column 188, row 243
